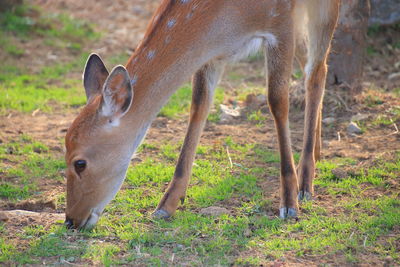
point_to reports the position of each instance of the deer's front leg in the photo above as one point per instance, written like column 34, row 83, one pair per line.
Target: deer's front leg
column 204, row 83
column 279, row 59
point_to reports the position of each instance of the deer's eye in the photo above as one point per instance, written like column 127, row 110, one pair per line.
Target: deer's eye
column 80, row 166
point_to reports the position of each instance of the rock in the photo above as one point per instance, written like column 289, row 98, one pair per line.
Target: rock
column 3, row 216
column 214, row 211
column 254, row 102
column 329, row 120
column 384, row 12
column 51, row 56
column 353, row 128
column 34, row 205
column 359, row 117
column 388, row 261
column 247, row 232
column 16, row 215
column 228, row 114
column 394, row 76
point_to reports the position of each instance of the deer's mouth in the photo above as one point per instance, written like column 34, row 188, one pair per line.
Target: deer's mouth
column 88, row 223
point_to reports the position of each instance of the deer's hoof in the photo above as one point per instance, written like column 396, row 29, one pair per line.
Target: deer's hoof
column 161, row 214
column 286, row 213
column 304, row 196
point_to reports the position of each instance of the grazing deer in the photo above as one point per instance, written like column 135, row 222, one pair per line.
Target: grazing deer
column 186, row 37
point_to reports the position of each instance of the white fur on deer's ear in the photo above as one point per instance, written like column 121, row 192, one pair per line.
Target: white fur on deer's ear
column 117, row 94
column 94, row 76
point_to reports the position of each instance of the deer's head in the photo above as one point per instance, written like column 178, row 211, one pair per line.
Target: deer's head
column 97, row 155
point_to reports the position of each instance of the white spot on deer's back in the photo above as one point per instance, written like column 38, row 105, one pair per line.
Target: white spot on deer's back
column 134, row 80
column 171, row 23
column 185, row 1
column 189, row 15
column 168, row 39
column 150, row 54
column 156, row 18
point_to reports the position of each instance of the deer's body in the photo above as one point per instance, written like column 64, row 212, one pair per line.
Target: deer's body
column 186, row 37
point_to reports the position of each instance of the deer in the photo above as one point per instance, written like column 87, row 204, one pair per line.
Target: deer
column 197, row 37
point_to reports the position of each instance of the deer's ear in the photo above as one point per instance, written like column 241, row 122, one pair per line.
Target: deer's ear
column 117, row 94
column 94, row 76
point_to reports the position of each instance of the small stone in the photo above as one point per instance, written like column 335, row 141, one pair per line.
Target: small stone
column 3, row 217
column 228, row 114
column 394, row 76
column 71, row 259
column 214, row 211
column 329, row 120
column 254, row 102
column 388, row 261
column 359, row 117
column 51, row 56
column 353, row 128
column 247, row 232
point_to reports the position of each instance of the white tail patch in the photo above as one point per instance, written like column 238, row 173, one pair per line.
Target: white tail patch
column 269, row 38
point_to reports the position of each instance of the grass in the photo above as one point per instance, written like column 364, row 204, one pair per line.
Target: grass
column 45, row 90
column 27, row 21
column 25, row 90
column 179, row 103
column 23, row 163
column 127, row 235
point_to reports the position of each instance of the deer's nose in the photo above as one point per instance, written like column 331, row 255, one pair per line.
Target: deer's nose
column 69, row 223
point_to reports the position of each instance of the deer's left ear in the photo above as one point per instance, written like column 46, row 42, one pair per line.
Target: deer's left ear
column 94, row 76
column 117, row 94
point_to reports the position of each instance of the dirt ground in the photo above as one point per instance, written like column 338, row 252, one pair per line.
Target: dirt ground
column 122, row 26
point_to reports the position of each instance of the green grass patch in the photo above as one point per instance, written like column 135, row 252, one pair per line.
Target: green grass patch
column 44, row 90
column 127, row 235
column 26, row 21
column 179, row 103
column 26, row 90
column 22, row 163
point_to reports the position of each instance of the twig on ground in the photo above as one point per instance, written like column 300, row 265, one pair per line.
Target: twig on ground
column 69, row 263
column 395, row 126
column 35, row 112
column 229, row 157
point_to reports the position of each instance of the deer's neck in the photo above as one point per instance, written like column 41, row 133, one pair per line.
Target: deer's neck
column 171, row 51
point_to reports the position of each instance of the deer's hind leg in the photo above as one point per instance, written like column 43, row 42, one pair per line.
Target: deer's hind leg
column 204, row 83
column 323, row 17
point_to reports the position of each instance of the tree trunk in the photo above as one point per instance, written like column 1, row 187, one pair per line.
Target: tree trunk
column 348, row 46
